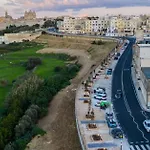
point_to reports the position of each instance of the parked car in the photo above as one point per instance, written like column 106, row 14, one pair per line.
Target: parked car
column 97, row 104
column 146, row 124
column 109, row 71
column 118, row 54
column 115, row 58
column 98, row 97
column 109, row 116
column 104, row 104
column 117, row 133
column 111, row 123
column 101, row 94
column 99, row 90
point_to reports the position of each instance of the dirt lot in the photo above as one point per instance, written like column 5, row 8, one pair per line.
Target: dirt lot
column 60, row 121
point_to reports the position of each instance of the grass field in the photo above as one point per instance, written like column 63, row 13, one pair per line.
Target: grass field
column 11, row 68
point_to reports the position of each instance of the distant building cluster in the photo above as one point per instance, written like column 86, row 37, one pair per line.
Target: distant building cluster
column 106, row 25
column 99, row 25
column 29, row 18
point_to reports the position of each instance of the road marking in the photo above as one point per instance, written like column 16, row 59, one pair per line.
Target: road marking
column 131, row 147
column 143, row 147
column 126, row 69
column 147, row 146
column 126, row 102
column 137, row 147
column 136, row 142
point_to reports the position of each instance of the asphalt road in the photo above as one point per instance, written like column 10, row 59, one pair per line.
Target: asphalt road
column 128, row 111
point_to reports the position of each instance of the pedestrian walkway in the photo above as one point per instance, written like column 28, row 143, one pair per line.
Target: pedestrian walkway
column 86, row 133
column 138, row 93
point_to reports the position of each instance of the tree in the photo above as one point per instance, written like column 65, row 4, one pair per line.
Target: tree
column 9, row 146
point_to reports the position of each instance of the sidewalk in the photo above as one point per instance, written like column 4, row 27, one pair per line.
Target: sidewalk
column 136, row 84
column 101, row 126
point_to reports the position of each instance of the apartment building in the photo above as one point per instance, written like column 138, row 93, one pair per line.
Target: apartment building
column 88, row 26
column 141, row 63
column 74, row 25
column 96, row 25
column 99, row 25
column 103, row 23
column 113, row 24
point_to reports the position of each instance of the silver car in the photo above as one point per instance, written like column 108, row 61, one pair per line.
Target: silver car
column 146, row 124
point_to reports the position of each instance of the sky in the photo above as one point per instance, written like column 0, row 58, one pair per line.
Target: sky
column 53, row 8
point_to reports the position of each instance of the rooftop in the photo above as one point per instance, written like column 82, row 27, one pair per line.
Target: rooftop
column 146, row 71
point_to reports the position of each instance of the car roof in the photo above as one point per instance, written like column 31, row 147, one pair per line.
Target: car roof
column 147, row 121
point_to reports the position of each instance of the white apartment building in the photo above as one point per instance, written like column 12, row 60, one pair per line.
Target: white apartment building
column 141, row 62
column 113, row 24
column 103, row 23
column 94, row 26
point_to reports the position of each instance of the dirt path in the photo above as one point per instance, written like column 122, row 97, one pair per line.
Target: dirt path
column 60, row 121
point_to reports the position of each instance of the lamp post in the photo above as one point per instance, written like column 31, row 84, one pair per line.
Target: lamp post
column 121, row 145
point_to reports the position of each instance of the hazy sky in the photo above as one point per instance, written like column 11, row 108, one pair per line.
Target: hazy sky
column 50, row 8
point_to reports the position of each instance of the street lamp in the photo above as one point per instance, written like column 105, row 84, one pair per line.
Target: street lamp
column 121, row 145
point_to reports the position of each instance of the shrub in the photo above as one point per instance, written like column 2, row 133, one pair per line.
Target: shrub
column 32, row 63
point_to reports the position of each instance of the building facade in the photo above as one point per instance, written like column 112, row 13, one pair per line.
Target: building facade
column 141, row 63
column 29, row 15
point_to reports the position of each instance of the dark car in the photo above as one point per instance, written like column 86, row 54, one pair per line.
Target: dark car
column 115, row 58
column 111, row 123
column 118, row 54
column 109, row 115
column 109, row 71
column 117, row 133
column 118, row 94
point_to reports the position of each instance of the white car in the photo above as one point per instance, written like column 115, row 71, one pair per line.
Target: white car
column 99, row 90
column 146, row 124
column 101, row 94
column 98, row 97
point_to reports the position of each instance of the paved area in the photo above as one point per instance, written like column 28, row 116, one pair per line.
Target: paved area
column 102, row 128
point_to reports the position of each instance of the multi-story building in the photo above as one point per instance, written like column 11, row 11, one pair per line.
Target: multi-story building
column 100, row 25
column 88, row 26
column 113, row 24
column 141, row 63
column 60, row 25
column 74, row 25
column 130, row 25
column 103, row 24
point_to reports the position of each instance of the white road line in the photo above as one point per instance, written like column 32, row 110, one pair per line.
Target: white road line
column 132, row 148
column 125, row 100
column 137, row 147
column 147, row 146
column 143, row 147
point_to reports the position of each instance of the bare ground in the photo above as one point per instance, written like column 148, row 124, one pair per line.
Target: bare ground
column 60, row 121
